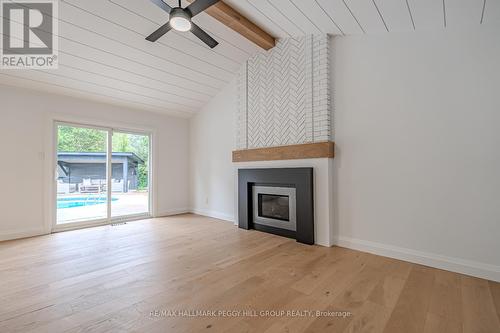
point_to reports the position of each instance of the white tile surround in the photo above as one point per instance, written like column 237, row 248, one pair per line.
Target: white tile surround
column 284, row 95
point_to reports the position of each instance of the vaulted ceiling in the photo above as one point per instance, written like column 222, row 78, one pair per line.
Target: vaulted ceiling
column 103, row 54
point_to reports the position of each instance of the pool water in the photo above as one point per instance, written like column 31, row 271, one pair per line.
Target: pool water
column 73, row 202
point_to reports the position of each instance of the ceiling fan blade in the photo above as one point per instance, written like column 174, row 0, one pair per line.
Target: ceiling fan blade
column 159, row 32
column 162, row 5
column 200, row 5
column 198, row 32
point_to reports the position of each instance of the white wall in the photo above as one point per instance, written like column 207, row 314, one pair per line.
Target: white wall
column 25, row 135
column 417, row 131
column 212, row 139
column 417, row 166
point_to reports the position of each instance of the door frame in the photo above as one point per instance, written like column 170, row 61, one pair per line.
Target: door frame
column 51, row 215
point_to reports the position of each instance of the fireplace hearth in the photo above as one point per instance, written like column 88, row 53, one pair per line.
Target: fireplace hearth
column 278, row 201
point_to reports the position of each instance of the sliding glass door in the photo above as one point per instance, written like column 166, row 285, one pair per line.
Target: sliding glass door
column 101, row 174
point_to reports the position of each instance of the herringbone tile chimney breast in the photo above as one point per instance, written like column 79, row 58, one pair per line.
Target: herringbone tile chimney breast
column 284, row 95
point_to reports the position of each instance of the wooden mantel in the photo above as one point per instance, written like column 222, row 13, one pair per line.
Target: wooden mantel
column 292, row 152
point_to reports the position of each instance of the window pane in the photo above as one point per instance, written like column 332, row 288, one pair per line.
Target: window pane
column 130, row 174
column 81, row 174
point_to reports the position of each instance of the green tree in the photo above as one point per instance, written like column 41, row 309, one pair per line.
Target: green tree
column 77, row 139
column 121, row 143
column 139, row 145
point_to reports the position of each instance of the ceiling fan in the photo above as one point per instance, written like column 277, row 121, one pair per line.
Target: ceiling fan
column 180, row 20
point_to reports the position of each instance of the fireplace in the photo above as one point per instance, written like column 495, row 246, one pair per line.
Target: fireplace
column 274, row 206
column 278, row 201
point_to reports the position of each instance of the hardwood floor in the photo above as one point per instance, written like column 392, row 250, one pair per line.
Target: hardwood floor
column 133, row 277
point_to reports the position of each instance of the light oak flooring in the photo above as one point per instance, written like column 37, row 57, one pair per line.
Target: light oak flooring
column 127, row 278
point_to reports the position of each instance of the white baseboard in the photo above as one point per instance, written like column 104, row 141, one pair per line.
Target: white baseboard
column 214, row 214
column 463, row 266
column 174, row 212
column 23, row 234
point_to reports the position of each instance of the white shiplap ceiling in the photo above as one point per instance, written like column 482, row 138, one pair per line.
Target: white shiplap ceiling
column 103, row 54
column 285, row 18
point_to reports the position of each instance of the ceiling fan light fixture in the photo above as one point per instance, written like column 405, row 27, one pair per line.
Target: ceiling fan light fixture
column 180, row 21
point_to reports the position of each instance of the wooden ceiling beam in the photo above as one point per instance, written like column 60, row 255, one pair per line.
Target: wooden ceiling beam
column 231, row 18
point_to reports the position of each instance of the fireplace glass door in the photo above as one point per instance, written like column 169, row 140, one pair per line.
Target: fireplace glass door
column 274, row 206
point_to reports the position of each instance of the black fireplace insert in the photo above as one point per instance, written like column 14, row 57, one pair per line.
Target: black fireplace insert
column 278, row 201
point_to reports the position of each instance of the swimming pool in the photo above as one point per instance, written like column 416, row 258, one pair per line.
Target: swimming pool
column 72, row 202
